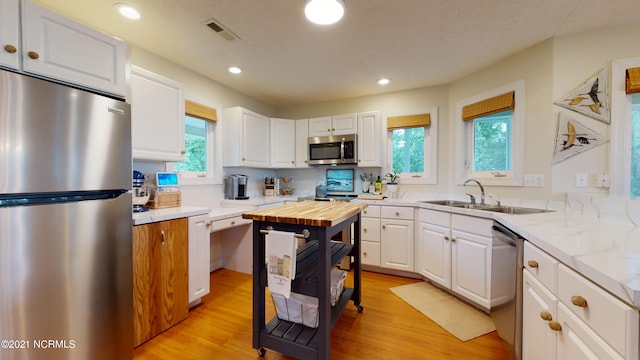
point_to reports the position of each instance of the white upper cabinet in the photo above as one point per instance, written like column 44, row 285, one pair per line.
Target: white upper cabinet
column 10, row 33
column 283, row 143
column 333, row 125
column 246, row 138
column 302, row 146
column 58, row 48
column 370, row 139
column 157, row 117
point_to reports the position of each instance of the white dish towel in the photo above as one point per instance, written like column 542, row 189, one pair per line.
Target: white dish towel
column 281, row 261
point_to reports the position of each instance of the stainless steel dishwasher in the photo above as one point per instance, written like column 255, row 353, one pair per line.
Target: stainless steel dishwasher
column 508, row 316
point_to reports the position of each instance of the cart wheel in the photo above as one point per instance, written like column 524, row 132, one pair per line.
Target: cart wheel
column 360, row 308
column 261, row 351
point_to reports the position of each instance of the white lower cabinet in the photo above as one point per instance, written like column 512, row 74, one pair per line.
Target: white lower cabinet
column 579, row 320
column 396, row 238
column 199, row 228
column 370, row 235
column 455, row 251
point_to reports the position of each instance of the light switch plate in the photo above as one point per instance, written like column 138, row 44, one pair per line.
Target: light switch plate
column 582, row 179
column 534, row 180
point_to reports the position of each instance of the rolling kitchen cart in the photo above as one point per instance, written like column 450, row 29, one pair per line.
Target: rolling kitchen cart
column 317, row 221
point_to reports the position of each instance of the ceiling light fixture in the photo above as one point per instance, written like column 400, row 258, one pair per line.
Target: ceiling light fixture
column 324, row 12
column 384, row 81
column 234, row 69
column 128, row 11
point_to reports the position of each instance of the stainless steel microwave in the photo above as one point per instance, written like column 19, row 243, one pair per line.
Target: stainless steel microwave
column 329, row 150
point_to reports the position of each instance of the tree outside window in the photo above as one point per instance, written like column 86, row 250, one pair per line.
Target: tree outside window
column 492, row 142
column 408, row 150
column 195, row 159
column 635, row 147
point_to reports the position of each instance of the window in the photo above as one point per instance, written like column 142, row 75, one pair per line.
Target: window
column 412, row 146
column 635, row 147
column 201, row 163
column 491, row 133
column 195, row 143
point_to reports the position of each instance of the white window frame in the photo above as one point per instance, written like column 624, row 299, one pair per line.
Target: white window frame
column 214, row 174
column 430, row 174
column 621, row 128
column 464, row 140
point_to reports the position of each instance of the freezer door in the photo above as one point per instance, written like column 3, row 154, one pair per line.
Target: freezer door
column 66, row 280
column 56, row 138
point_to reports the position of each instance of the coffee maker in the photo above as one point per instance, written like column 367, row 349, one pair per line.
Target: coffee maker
column 140, row 192
column 235, row 187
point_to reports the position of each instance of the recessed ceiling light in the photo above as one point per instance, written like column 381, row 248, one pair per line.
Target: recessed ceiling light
column 384, row 81
column 128, row 11
column 234, row 69
column 324, row 12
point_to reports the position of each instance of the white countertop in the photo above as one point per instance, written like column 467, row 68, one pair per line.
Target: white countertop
column 155, row 215
column 605, row 250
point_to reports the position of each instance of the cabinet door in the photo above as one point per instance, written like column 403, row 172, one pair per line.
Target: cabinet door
column 320, row 126
column 160, row 283
column 344, row 124
column 146, row 276
column 199, row 253
column 302, row 146
column 157, row 117
column 538, row 308
column 470, row 267
column 577, row 341
column 369, row 139
column 10, row 33
column 370, row 253
column 255, row 140
column 433, row 253
column 283, row 143
column 56, row 47
column 174, row 282
column 396, row 244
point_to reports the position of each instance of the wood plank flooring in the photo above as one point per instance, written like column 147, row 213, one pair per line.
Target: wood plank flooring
column 388, row 328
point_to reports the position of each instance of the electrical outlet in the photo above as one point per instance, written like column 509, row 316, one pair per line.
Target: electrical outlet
column 582, row 179
column 534, row 180
column 603, row 180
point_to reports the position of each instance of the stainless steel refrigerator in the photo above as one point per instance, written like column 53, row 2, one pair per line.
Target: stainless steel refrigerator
column 65, row 222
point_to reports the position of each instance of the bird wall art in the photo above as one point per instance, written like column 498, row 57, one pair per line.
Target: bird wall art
column 573, row 137
column 591, row 98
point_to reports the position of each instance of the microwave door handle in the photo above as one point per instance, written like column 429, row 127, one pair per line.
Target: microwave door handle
column 342, row 150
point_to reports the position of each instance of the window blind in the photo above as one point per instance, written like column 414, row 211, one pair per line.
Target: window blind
column 408, row 121
column 489, row 106
column 200, row 111
column 632, row 83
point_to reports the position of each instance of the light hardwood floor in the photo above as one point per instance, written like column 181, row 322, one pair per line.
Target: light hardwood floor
column 388, row 328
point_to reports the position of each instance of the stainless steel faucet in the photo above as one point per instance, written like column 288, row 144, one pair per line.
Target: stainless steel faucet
column 481, row 190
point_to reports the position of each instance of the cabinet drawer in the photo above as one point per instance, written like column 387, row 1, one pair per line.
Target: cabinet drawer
column 397, row 212
column 370, row 229
column 435, row 217
column 370, row 253
column 227, row 223
column 610, row 318
column 371, row 211
column 472, row 224
column 542, row 266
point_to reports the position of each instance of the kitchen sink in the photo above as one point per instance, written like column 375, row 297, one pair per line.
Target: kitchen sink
column 515, row 210
column 511, row 210
column 454, row 203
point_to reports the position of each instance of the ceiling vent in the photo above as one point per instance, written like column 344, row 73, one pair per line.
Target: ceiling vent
column 215, row 25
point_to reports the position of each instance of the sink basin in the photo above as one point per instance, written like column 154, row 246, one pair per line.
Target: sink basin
column 515, row 210
column 455, row 203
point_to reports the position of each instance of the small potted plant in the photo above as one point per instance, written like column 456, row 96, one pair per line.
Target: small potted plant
column 392, row 183
column 392, row 178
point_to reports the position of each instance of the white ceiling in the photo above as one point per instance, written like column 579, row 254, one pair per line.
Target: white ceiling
column 288, row 61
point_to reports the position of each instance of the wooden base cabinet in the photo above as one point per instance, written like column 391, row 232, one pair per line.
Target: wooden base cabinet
column 160, row 277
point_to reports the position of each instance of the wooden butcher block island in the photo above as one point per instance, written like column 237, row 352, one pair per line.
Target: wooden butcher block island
column 317, row 222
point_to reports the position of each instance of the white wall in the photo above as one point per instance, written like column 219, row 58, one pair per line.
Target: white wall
column 550, row 69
